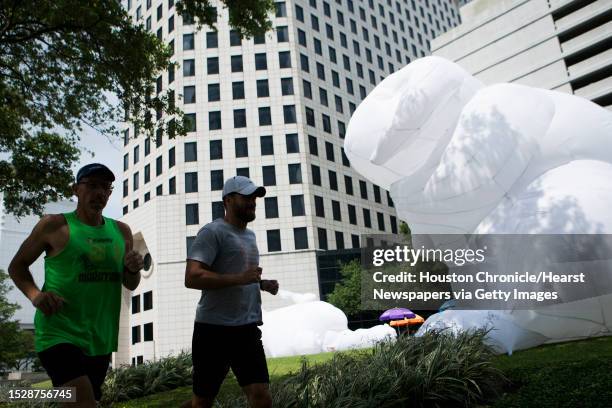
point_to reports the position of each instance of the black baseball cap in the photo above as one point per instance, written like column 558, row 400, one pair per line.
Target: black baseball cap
column 94, row 168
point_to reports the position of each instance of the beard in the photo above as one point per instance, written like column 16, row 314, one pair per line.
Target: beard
column 246, row 214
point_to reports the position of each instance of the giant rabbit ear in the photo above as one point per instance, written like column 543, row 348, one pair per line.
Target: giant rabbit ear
column 422, row 101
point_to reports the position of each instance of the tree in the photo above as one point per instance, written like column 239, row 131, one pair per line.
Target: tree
column 61, row 62
column 11, row 338
column 347, row 293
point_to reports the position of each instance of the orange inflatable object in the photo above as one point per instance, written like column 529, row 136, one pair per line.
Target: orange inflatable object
column 407, row 322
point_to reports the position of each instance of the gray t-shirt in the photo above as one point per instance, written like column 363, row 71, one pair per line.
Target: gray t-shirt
column 227, row 250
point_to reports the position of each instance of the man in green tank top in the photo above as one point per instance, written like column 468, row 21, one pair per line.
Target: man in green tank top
column 88, row 258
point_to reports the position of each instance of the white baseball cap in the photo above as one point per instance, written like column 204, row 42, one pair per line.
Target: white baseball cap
column 243, row 186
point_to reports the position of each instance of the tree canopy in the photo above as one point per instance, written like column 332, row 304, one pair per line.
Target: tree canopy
column 61, row 62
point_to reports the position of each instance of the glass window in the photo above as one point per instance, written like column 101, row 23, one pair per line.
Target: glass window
column 336, row 210
column 320, row 71
column 218, row 211
column 289, row 114
column 135, row 330
column 242, row 147
column 322, row 233
column 352, row 212
column 323, row 97
column 377, row 194
column 265, row 118
column 295, row 173
column 316, row 175
column 212, row 39
column 307, row 89
column 317, row 47
column 274, row 240
column 339, row 240
column 287, row 86
column 235, row 38
column 284, row 59
column 189, row 94
column 191, row 182
column 312, row 145
column 304, row 63
column 239, row 118
column 214, row 120
column 212, row 65
column 282, row 34
column 214, row 92
column 329, row 151
column 190, row 122
column 171, row 157
column 293, row 145
column 191, row 151
column 269, row 176
column 188, row 42
column 326, row 123
column 191, row 214
column 314, row 21
column 348, row 185
column 299, row 13
column 188, row 67
column 236, row 62
column 243, row 171
column 302, row 38
column 238, row 90
column 310, row 119
column 216, row 150
column 158, row 166
column 381, row 221
column 300, row 237
column 297, row 205
column 355, row 240
column 333, row 180
column 267, row 145
column 281, row 9
column 363, row 189
column 216, row 180
column 366, row 218
column 319, row 207
column 263, row 90
column 172, row 185
column 135, row 304
column 261, row 62
column 271, row 206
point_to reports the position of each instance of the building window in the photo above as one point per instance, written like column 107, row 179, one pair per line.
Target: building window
column 366, row 218
column 191, row 182
column 352, row 212
column 300, row 238
column 239, row 118
column 307, row 89
column 190, row 122
column 329, row 151
column 304, row 63
column 271, row 206
column 345, row 160
column 333, row 180
column 126, row 161
column 393, row 222
column 261, row 63
column 235, row 38
column 192, row 216
column 323, row 96
column 336, row 210
column 159, row 190
column 377, row 194
column 243, row 171
column 148, row 332
column 147, row 300
column 214, row 120
column 281, row 9
column 299, row 13
column 297, row 205
column 282, row 34
column 158, row 166
column 191, row 152
column 172, row 186
column 381, row 221
column 302, row 38
column 295, row 173
column 216, row 149
column 326, row 123
column 214, row 92
column 135, row 181
column 135, row 334
column 267, row 145
column 274, row 240
column 265, row 117
column 212, row 65
column 242, row 147
column 188, row 68
column 136, row 154
column 355, row 240
column 236, row 63
column 363, row 189
column 218, row 211
column 320, row 71
column 147, row 174
column 212, row 39
column 238, row 90
column 319, row 207
column 348, row 185
column 216, row 180
column 310, row 118
column 284, row 59
column 135, row 304
column 316, row 175
column 263, row 90
column 322, row 233
column 269, row 176
column 293, row 145
column 289, row 114
column 188, row 42
column 312, row 145
column 287, row 86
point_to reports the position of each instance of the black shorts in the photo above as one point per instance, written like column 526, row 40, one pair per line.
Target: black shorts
column 216, row 349
column 64, row 362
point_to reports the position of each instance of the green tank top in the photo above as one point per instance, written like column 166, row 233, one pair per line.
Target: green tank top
column 88, row 274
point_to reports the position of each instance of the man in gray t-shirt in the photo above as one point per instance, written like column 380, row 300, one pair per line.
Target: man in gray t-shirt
column 223, row 262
